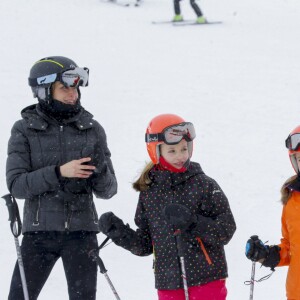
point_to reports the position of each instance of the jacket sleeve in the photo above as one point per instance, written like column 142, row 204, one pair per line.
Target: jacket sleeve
column 22, row 181
column 137, row 241
column 220, row 225
column 285, row 242
column 104, row 182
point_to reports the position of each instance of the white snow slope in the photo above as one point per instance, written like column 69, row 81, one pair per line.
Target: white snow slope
column 238, row 82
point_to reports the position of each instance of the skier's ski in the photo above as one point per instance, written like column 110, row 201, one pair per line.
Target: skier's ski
column 124, row 4
column 167, row 22
column 116, row 3
column 184, row 23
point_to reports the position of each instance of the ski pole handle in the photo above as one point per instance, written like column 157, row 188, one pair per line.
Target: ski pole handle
column 254, row 238
column 101, row 265
column 95, row 256
column 9, row 204
column 14, row 215
column 179, row 242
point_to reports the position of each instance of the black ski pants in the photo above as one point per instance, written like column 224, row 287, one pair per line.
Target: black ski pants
column 194, row 5
column 41, row 250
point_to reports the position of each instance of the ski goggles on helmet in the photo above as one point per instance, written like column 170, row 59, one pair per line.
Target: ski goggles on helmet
column 70, row 78
column 293, row 141
column 172, row 135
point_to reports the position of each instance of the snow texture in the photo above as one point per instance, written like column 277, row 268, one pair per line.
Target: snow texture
column 238, row 82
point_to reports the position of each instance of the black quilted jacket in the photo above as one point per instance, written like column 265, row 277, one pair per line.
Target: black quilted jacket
column 37, row 145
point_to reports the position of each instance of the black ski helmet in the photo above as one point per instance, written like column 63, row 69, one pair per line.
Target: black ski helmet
column 50, row 68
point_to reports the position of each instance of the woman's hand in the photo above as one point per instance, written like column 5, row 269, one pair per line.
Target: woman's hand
column 77, row 168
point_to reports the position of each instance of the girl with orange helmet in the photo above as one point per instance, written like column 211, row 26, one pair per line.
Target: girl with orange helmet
column 177, row 199
column 287, row 253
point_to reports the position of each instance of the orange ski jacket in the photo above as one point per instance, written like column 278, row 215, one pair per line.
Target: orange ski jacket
column 290, row 245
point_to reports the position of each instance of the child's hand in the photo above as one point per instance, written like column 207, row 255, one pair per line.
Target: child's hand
column 179, row 215
column 256, row 250
column 182, row 218
column 111, row 225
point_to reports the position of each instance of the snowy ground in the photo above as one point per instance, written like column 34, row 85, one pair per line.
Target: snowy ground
column 239, row 83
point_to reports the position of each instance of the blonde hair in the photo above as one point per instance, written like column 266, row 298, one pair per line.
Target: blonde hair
column 144, row 181
column 286, row 193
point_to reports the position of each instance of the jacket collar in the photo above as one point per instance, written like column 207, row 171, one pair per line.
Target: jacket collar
column 168, row 178
column 36, row 119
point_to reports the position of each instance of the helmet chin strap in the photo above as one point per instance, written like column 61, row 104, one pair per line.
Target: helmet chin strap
column 48, row 96
column 43, row 94
column 295, row 164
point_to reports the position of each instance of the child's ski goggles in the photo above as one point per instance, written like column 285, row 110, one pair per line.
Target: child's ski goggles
column 293, row 141
column 70, row 78
column 172, row 135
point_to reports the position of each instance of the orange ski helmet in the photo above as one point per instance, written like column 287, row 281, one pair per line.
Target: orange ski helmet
column 293, row 145
column 169, row 129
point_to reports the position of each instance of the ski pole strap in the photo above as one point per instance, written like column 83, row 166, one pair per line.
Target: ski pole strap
column 14, row 215
column 248, row 282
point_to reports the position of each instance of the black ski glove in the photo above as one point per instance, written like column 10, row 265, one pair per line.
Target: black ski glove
column 97, row 156
column 273, row 258
column 179, row 216
column 257, row 251
column 182, row 218
column 112, row 226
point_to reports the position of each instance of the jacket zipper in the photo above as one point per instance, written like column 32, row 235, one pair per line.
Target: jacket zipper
column 94, row 212
column 202, row 247
column 66, row 208
column 68, row 221
column 36, row 221
column 204, row 250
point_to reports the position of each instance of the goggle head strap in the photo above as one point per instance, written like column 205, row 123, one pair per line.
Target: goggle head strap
column 154, row 137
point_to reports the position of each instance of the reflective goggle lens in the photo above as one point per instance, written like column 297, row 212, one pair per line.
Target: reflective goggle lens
column 293, row 141
column 70, row 78
column 174, row 134
column 75, row 77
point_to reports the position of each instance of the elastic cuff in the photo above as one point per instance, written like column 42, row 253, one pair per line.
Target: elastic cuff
column 57, row 172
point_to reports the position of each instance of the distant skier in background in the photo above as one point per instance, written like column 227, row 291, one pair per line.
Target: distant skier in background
column 287, row 253
column 181, row 213
column 178, row 17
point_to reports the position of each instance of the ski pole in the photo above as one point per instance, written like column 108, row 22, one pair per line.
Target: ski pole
column 252, row 280
column 102, row 268
column 180, row 253
column 16, row 229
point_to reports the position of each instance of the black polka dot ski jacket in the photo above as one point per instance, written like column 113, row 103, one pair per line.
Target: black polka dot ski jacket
column 204, row 255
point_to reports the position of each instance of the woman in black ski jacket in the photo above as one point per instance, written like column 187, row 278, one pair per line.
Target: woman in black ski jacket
column 57, row 159
column 181, row 213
